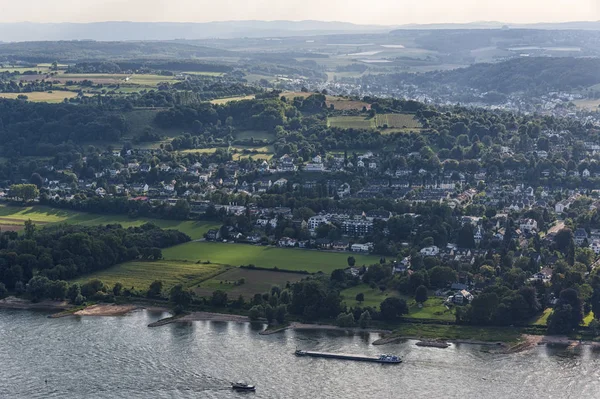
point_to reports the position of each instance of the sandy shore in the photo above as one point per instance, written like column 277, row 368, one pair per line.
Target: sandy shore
column 106, row 310
column 12, row 302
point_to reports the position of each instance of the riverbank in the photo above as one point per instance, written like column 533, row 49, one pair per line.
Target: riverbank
column 326, row 327
column 500, row 340
column 12, row 302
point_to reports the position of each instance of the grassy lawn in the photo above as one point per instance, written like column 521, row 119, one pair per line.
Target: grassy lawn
column 10, row 215
column 351, row 122
column 398, row 121
column 42, row 96
column 230, row 99
column 141, row 274
column 373, row 296
column 432, row 309
column 256, row 134
column 542, row 320
column 256, row 281
column 268, row 257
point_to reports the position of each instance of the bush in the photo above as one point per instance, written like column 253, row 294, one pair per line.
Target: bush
column 345, row 320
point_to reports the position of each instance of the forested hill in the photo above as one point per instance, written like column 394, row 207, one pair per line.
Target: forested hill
column 67, row 51
column 534, row 75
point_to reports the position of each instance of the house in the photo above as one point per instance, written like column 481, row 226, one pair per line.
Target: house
column 478, row 235
column 462, row 297
column 343, row 190
column 580, row 236
column 561, row 206
column 585, row 173
column 595, row 246
column 280, row 182
column 287, row 242
column 213, row 235
column 360, row 248
column 430, row 251
column 357, row 227
column 316, row 221
column 314, row 167
column 528, row 225
column 100, row 191
column 286, row 164
column 341, row 245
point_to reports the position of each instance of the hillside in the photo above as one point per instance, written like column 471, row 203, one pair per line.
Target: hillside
column 532, row 75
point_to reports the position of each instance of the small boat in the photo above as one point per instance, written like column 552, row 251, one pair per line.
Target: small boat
column 241, row 386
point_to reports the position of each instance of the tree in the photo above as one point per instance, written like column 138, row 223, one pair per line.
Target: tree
column 180, row 297
column 37, row 180
column 117, row 289
column 25, row 192
column 280, row 314
column 465, row 237
column 568, row 313
column 442, row 276
column 365, row 319
column 269, row 313
column 421, row 294
column 57, row 290
column 37, row 288
column 219, row 298
column 392, row 308
column 73, row 292
column 155, row 289
column 360, row 297
column 91, row 288
column 3, row 291
column 345, row 320
column 255, row 312
column 29, row 229
column 351, row 261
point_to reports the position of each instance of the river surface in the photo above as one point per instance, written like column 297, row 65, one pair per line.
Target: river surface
column 120, row 357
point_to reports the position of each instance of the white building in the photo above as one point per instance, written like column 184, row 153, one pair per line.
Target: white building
column 430, row 251
column 316, row 221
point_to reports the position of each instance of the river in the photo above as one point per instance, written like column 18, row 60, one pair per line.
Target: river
column 120, row 357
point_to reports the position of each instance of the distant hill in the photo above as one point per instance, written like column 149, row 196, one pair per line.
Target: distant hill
column 536, row 75
column 66, row 51
column 118, row 31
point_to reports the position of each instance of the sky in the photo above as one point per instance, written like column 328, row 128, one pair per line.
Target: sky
column 381, row 12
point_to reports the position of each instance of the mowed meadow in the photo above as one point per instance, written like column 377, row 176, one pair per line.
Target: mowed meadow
column 15, row 217
column 266, row 257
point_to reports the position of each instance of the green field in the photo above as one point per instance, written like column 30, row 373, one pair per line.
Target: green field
column 392, row 121
column 256, row 134
column 42, row 96
column 10, row 215
column 256, row 281
column 351, row 122
column 268, row 257
column 140, row 275
column 398, row 121
column 432, row 309
column 230, row 99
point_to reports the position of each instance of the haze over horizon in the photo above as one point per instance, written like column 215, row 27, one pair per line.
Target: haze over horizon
column 379, row 12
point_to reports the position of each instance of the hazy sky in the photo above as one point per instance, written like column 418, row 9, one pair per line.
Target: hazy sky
column 390, row 12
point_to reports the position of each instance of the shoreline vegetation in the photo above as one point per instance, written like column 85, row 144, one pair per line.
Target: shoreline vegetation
column 434, row 336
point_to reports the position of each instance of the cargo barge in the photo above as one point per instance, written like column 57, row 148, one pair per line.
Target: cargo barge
column 387, row 359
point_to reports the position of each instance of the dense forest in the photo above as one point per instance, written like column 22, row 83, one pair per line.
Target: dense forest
column 65, row 252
